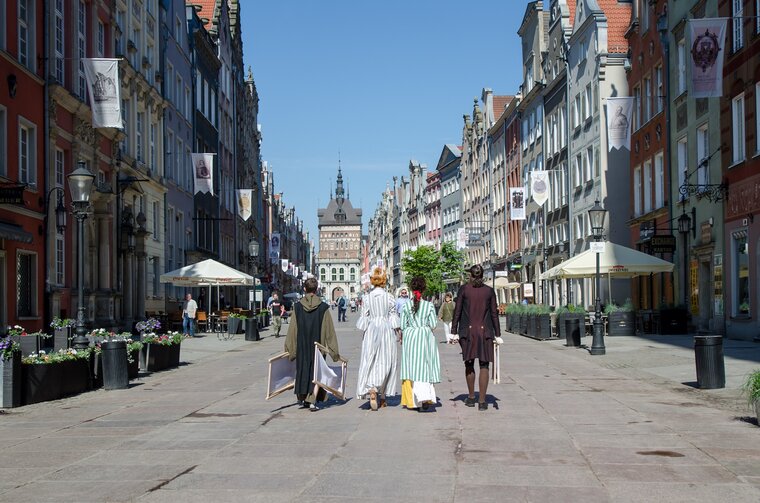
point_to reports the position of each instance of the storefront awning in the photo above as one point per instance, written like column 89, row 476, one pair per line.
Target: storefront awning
column 14, row 233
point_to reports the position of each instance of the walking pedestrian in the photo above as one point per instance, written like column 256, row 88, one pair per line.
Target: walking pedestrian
column 446, row 314
column 420, row 363
column 476, row 325
column 378, row 369
column 189, row 308
column 403, row 298
column 277, row 309
column 310, row 323
column 342, row 304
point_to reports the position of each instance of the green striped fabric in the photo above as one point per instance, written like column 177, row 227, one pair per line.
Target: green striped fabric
column 419, row 349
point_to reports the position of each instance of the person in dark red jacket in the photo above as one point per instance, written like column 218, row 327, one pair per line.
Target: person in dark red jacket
column 476, row 324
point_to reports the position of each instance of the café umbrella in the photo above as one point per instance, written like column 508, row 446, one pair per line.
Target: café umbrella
column 207, row 273
column 616, row 261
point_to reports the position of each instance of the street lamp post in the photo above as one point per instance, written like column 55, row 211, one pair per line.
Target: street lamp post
column 253, row 257
column 80, row 185
column 684, row 226
column 597, row 213
column 494, row 256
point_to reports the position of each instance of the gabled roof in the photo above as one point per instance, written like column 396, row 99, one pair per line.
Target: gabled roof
column 208, row 10
column 618, row 18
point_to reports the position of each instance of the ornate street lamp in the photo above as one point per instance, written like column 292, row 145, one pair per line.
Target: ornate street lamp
column 684, row 226
column 80, row 186
column 253, row 254
column 596, row 214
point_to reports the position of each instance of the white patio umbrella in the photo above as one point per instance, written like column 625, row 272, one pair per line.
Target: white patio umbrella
column 207, row 273
column 616, row 261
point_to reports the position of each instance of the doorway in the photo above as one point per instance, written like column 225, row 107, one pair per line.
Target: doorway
column 705, row 295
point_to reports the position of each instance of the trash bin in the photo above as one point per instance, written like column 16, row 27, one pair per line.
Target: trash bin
column 708, row 353
column 115, row 365
column 573, row 332
column 251, row 329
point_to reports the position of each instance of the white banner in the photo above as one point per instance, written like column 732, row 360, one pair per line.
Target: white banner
column 619, row 112
column 462, row 236
column 539, row 184
column 274, row 247
column 244, row 203
column 102, row 76
column 517, row 203
column 708, row 38
column 203, row 169
column 284, row 263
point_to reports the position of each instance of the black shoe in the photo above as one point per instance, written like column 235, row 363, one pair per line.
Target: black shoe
column 483, row 406
column 470, row 402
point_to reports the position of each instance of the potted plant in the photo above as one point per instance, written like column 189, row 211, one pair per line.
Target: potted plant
column 751, row 389
column 744, row 308
column 28, row 342
column 10, row 373
column 99, row 335
column 62, row 332
column 234, row 322
column 151, row 325
column 620, row 319
column 49, row 376
column 543, row 322
column 161, row 351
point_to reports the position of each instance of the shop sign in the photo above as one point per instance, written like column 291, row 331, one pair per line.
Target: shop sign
column 663, row 243
column 527, row 289
column 706, row 232
column 12, row 195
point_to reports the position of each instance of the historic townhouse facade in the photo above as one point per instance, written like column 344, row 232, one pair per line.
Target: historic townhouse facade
column 340, row 236
column 497, row 169
column 513, row 169
column 740, row 159
column 415, row 203
column 400, row 227
column 556, row 155
column 451, row 195
column 380, row 234
column 533, row 34
column 24, row 221
column 176, row 71
column 433, row 209
column 597, row 54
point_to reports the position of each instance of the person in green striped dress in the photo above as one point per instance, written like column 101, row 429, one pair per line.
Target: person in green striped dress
column 420, row 363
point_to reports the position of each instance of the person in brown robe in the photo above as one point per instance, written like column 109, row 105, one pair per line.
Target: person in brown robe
column 476, row 323
column 311, row 322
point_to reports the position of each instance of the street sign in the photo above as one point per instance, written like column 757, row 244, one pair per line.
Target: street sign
column 597, row 246
column 475, row 237
column 12, row 195
column 663, row 243
column 502, row 274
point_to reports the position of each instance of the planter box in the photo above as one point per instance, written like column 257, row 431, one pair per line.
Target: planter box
column 133, row 368
column 29, row 343
column 157, row 357
column 233, row 325
column 620, row 323
column 43, row 382
column 62, row 338
column 543, row 326
column 523, row 324
column 532, row 325
column 673, row 321
column 10, row 381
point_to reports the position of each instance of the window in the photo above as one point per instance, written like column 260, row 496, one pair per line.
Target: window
column 168, row 88
column 3, row 144
column 101, row 38
column 171, row 171
column 577, row 173
column 60, row 260
column 26, row 33
column 682, row 166
column 59, row 34
column 580, row 228
column 737, row 9
column 26, row 284
column 637, row 192
column 681, row 54
column 563, row 127
column 156, row 276
column 577, row 111
column 539, row 120
column 152, row 139
column 659, row 181
column 139, row 135
column 587, row 102
column 156, row 220
column 595, row 97
column 741, row 274
column 27, row 162
column 647, row 186
column 524, row 137
column 334, row 274
column 737, row 118
column 703, row 154
column 532, row 127
column 644, row 15
column 82, row 47
column 647, row 99
column 188, row 104
column 588, row 163
column 659, row 93
column 757, row 17
column 353, row 274
column 637, row 104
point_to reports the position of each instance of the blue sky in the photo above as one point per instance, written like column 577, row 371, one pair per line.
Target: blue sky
column 380, row 82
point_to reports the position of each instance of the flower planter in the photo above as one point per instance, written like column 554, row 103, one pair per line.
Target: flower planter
column 62, row 338
column 157, row 357
column 43, row 382
column 29, row 343
column 543, row 326
column 10, row 381
column 620, row 323
column 233, row 325
column 523, row 324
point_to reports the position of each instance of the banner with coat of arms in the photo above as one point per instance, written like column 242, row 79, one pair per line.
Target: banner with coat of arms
column 707, row 38
column 539, row 184
column 284, row 263
column 203, row 170
column 244, row 203
column 102, row 76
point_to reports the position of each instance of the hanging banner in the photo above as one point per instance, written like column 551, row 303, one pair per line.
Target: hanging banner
column 244, row 203
column 539, row 184
column 203, row 168
column 619, row 112
column 284, row 264
column 708, row 38
column 517, row 203
column 102, row 76
column 274, row 248
column 462, row 236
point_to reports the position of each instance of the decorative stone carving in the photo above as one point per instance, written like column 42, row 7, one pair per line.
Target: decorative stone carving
column 85, row 133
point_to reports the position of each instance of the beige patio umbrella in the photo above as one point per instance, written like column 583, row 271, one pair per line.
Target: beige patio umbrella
column 616, row 261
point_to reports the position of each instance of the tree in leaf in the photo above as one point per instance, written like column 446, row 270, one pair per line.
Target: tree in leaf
column 433, row 265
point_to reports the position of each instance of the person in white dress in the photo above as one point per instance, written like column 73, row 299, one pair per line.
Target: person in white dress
column 378, row 369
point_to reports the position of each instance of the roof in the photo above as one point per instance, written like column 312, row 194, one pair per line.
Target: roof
column 618, row 19
column 500, row 104
column 329, row 215
column 207, row 9
column 571, row 11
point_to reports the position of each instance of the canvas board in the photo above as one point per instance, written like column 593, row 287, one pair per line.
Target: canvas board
column 282, row 375
column 331, row 378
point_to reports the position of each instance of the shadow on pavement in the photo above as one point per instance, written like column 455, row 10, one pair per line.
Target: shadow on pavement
column 490, row 399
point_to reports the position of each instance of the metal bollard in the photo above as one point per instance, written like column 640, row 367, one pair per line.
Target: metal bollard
column 573, row 332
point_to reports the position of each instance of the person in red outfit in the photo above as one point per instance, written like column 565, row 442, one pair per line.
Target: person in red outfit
column 476, row 324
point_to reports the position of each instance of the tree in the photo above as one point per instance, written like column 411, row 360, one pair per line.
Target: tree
column 433, row 265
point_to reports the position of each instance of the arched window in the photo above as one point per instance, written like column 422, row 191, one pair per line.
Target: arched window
column 323, row 274
column 342, row 274
column 353, row 274
column 334, row 274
